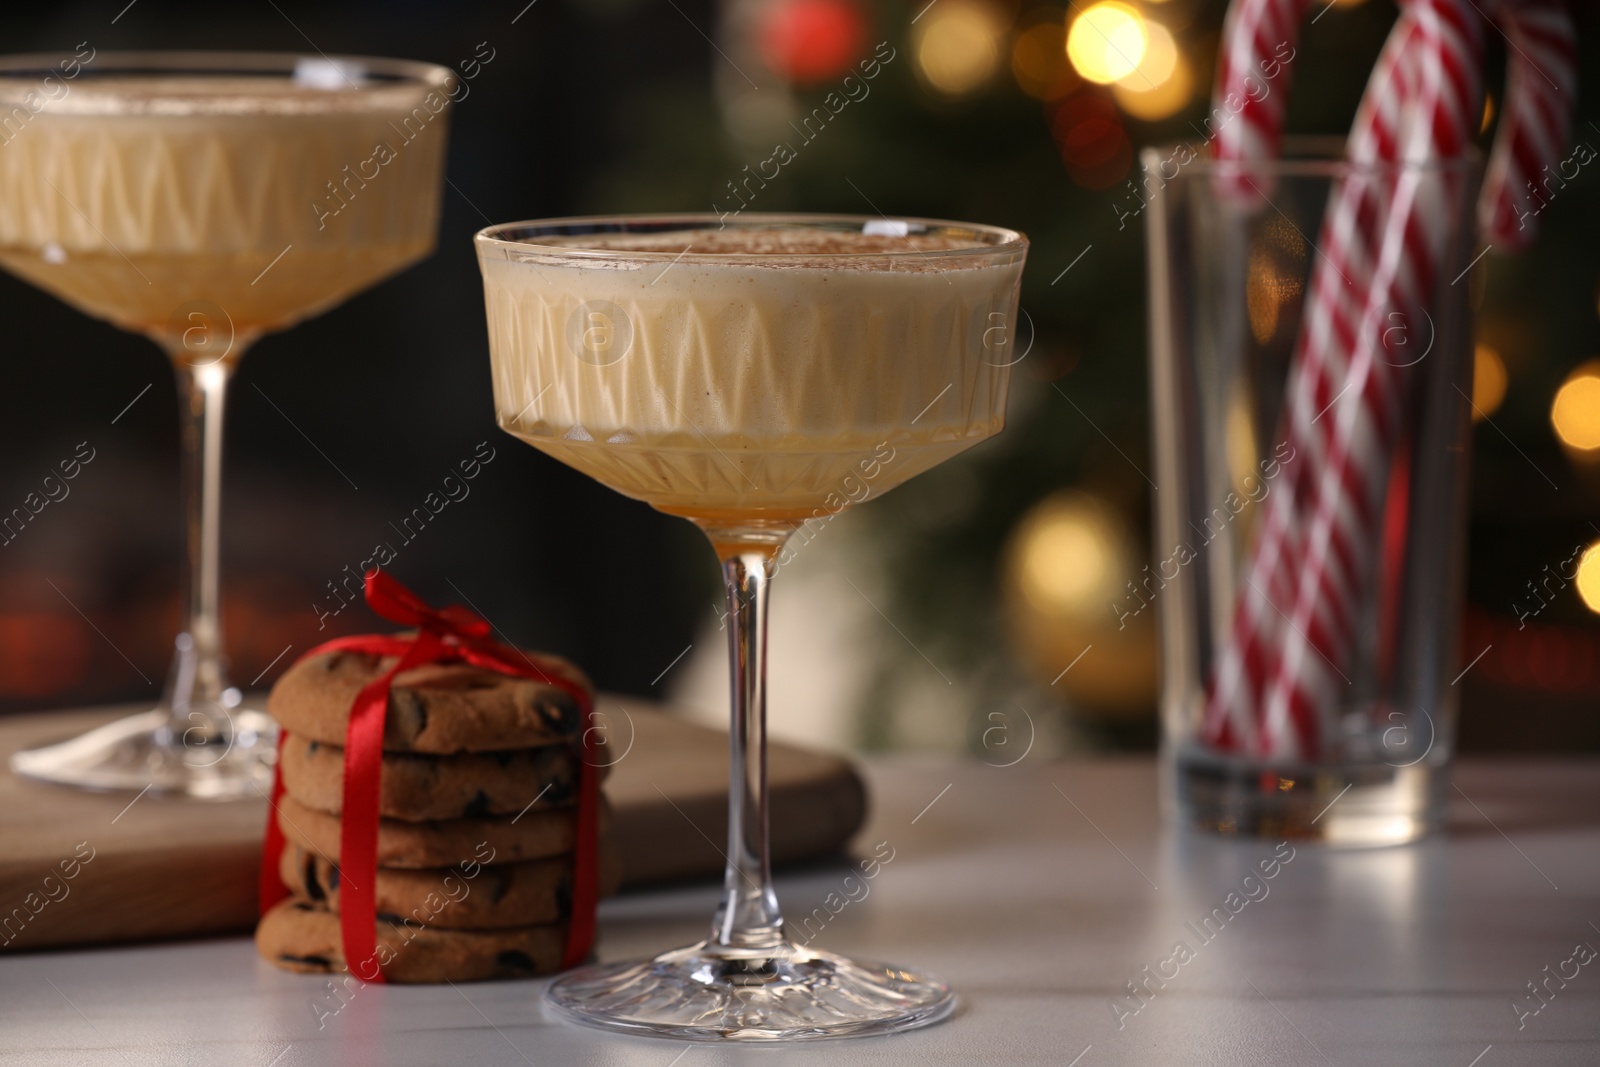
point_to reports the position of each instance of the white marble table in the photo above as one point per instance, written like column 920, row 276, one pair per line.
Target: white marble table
column 1038, row 908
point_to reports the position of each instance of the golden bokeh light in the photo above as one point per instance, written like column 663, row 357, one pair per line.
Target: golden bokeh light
column 1239, row 436
column 1107, row 41
column 1261, row 297
column 1068, row 575
column 1275, row 278
column 1488, row 382
column 1273, row 282
column 1162, row 83
column 1039, row 61
column 1488, row 112
column 957, row 46
column 1157, row 104
column 1157, row 65
column 1066, row 560
column 1576, row 411
column 1160, row 103
column 1588, row 578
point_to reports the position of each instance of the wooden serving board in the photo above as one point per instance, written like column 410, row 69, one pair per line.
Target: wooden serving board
column 163, row 867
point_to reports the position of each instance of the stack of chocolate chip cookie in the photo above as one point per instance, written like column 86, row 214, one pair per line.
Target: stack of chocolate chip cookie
column 478, row 819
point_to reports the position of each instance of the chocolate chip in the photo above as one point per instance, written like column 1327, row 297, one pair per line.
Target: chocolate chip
column 513, row 960
column 504, row 758
column 313, row 747
column 333, row 877
column 314, row 961
column 301, row 905
column 477, row 807
column 407, row 714
column 313, row 887
column 391, row 918
column 559, row 792
column 556, row 711
column 497, row 882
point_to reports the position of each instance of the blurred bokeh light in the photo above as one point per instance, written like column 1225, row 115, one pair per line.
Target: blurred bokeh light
column 1162, row 83
column 958, row 46
column 1489, row 382
column 1588, row 578
column 1157, row 63
column 1039, row 61
column 1107, row 41
column 1066, row 566
column 1576, row 411
column 1088, row 131
column 811, row 41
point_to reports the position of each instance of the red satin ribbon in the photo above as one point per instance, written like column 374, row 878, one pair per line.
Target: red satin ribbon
column 449, row 636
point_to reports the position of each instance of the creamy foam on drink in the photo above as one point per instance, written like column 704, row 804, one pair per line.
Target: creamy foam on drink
column 133, row 197
column 334, row 89
column 770, row 242
column 838, row 363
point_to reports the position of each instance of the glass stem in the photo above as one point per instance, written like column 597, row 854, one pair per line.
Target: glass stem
column 748, row 923
column 198, row 680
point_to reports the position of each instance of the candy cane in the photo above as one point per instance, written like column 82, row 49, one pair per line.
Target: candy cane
column 1252, row 33
column 1535, row 116
column 1236, row 714
column 1397, row 255
column 1421, row 103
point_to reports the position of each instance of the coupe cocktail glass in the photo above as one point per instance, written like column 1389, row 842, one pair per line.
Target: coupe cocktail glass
column 203, row 199
column 750, row 375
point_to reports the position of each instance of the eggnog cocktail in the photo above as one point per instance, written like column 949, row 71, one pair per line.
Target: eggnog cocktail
column 204, row 199
column 131, row 196
column 763, row 374
column 749, row 375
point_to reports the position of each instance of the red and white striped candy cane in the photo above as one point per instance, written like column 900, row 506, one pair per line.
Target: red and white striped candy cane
column 1236, row 717
column 1252, row 33
column 1394, row 238
column 1422, row 102
column 1535, row 116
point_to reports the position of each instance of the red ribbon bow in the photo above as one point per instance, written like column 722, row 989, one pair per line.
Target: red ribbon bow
column 449, row 636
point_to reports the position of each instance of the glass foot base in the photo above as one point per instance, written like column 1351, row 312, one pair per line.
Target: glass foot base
column 147, row 751
column 1356, row 805
column 800, row 994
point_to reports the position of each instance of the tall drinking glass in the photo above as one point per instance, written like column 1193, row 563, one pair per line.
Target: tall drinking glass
column 750, row 375
column 204, row 199
column 1274, row 722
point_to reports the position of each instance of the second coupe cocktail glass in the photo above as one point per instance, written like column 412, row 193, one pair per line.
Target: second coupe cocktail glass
column 203, row 199
column 750, row 375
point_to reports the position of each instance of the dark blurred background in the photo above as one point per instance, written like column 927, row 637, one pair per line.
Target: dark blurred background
column 996, row 568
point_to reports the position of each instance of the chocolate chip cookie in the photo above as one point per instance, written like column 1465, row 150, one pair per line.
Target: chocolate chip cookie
column 417, row 787
column 439, row 708
column 441, row 842
column 465, row 897
column 298, row 935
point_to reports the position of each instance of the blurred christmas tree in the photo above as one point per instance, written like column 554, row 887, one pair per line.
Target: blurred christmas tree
column 1001, row 565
